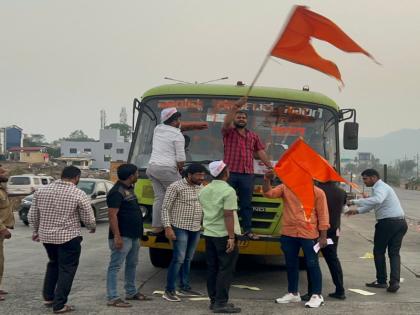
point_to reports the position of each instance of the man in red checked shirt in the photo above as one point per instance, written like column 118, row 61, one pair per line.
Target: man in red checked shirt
column 240, row 146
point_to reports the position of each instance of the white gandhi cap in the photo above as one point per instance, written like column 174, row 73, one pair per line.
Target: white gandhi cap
column 216, row 168
column 167, row 113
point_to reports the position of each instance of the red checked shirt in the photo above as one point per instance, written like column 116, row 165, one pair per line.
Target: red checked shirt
column 240, row 149
column 57, row 210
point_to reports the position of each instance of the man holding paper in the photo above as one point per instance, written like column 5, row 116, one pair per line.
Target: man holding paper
column 297, row 233
column 336, row 199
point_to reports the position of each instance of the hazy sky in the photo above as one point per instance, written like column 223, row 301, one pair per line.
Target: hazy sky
column 61, row 62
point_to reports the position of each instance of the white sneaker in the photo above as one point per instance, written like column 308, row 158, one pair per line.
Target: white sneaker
column 315, row 301
column 289, row 298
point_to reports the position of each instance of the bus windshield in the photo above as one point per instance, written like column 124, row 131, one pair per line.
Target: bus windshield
column 278, row 123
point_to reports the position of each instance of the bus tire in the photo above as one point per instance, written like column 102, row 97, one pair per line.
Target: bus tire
column 160, row 258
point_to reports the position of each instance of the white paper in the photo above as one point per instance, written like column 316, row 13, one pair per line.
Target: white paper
column 362, row 292
column 367, row 256
column 199, row 299
column 241, row 286
column 317, row 248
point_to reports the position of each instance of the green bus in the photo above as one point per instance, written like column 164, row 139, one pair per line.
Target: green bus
column 279, row 116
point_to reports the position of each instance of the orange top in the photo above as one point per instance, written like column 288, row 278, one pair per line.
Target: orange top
column 293, row 220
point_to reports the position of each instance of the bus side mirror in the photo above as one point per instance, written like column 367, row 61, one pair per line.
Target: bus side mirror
column 351, row 135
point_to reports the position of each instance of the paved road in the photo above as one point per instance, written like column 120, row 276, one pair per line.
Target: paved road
column 411, row 202
column 25, row 266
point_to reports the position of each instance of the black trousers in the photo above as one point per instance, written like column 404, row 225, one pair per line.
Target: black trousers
column 220, row 269
column 331, row 258
column 61, row 269
column 389, row 233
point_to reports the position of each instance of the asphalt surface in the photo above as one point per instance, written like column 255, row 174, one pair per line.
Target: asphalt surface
column 25, row 267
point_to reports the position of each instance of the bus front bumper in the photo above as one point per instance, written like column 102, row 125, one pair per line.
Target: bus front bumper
column 265, row 245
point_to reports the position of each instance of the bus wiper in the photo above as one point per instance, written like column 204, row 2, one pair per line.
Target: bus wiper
column 200, row 162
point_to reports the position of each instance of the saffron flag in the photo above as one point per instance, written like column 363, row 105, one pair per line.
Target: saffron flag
column 299, row 166
column 295, row 42
column 297, row 180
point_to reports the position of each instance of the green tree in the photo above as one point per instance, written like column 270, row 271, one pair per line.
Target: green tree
column 34, row 140
column 78, row 135
column 54, row 152
column 406, row 167
column 125, row 130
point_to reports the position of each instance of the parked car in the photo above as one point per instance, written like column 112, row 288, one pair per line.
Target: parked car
column 96, row 189
column 26, row 184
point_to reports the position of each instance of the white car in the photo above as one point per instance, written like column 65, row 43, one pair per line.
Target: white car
column 26, row 184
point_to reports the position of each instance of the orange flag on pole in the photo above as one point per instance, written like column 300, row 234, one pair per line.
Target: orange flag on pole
column 295, row 45
column 297, row 180
column 299, row 166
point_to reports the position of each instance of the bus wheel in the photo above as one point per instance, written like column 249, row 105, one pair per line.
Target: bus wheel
column 160, row 258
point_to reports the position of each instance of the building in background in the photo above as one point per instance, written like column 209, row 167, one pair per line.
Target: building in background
column 10, row 137
column 366, row 160
column 84, row 163
column 32, row 155
column 110, row 147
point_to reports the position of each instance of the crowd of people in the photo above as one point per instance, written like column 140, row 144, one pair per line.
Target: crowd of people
column 184, row 209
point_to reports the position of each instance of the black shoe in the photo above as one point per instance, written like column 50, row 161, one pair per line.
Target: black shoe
column 211, row 306
column 393, row 288
column 375, row 284
column 339, row 296
column 226, row 309
column 306, row 297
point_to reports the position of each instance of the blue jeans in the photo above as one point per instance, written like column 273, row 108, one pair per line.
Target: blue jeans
column 129, row 253
column 183, row 251
column 244, row 186
column 291, row 247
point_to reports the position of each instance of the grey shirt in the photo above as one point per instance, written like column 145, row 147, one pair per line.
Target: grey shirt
column 384, row 201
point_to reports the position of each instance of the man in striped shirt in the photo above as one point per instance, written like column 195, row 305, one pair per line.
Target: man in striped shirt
column 55, row 216
column 181, row 217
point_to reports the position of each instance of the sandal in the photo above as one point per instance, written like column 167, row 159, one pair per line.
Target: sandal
column 2, row 292
column 138, row 297
column 251, row 236
column 48, row 303
column 65, row 309
column 2, row 298
column 119, row 303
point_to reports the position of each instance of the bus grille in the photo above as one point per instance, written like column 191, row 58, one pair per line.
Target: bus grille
column 266, row 215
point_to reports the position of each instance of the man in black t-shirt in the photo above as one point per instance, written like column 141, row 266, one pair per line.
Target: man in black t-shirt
column 125, row 231
column 336, row 199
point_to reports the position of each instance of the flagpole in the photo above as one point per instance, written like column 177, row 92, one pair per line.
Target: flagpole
column 267, row 57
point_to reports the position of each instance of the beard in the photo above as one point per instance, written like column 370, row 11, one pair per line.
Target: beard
column 239, row 125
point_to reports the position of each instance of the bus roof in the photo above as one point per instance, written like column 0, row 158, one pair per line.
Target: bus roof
column 238, row 91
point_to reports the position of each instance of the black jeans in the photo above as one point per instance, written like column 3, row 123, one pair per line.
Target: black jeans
column 61, row 269
column 389, row 233
column 220, row 269
column 244, row 186
column 331, row 258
